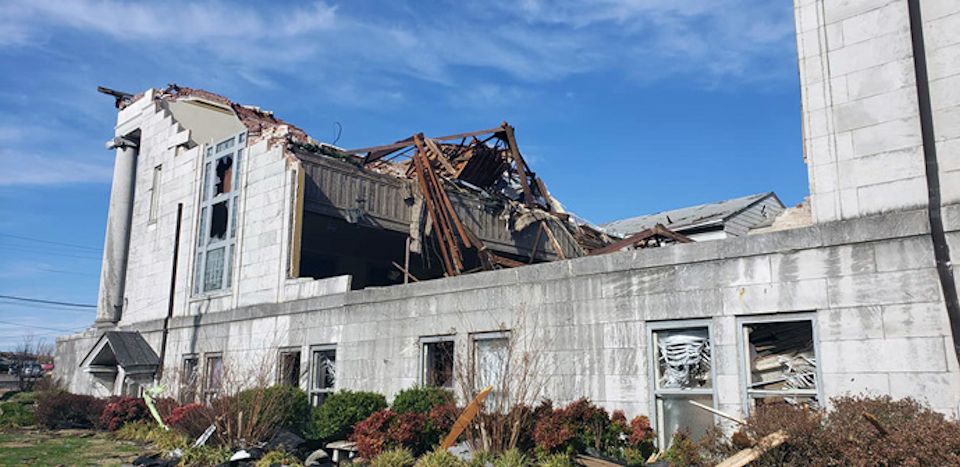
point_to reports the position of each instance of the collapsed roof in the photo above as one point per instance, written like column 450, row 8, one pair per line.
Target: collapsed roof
column 466, row 201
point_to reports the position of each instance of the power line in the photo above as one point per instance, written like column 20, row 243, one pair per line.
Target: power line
column 45, row 252
column 34, row 327
column 48, row 302
column 20, row 306
column 51, row 242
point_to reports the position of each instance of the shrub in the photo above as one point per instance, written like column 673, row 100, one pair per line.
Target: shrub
column 182, row 416
column 482, row 459
column 396, row 457
column 905, row 433
column 439, row 458
column 205, row 455
column 15, row 415
column 683, row 450
column 279, row 458
column 60, row 409
column 386, row 429
column 335, row 418
column 122, row 411
column 421, row 400
column 555, row 460
column 147, row 432
column 511, row 458
column 280, row 406
column 574, row 428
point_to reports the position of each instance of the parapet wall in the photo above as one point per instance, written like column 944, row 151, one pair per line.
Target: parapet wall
column 868, row 284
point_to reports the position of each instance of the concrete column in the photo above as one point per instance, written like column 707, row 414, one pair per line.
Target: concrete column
column 117, row 241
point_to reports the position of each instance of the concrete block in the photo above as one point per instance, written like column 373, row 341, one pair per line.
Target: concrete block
column 941, row 32
column 871, row 228
column 886, row 19
column 950, row 185
column 838, row 10
column 945, row 92
column 920, row 354
column 943, row 62
column 938, row 389
column 904, row 254
column 855, row 323
column 681, row 305
column 824, row 179
column 896, row 195
column 766, row 298
column 745, row 271
column 884, row 288
column 881, row 168
column 856, row 383
column 876, row 109
column 870, row 53
column 947, row 122
column 822, row 262
column 915, row 320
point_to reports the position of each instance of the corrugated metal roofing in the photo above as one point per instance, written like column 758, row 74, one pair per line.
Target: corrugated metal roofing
column 685, row 217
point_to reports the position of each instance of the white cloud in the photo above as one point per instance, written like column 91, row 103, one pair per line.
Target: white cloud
column 534, row 42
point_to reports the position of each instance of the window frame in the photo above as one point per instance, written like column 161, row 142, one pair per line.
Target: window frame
column 155, row 183
column 677, row 325
column 743, row 354
column 206, row 391
column 475, row 362
column 428, row 340
column 318, row 394
column 206, row 200
column 184, row 385
column 280, row 373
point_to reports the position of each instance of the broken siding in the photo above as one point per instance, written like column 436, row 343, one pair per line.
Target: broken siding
column 334, row 188
column 757, row 214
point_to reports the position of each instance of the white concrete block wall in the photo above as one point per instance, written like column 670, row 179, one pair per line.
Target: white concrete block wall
column 862, row 137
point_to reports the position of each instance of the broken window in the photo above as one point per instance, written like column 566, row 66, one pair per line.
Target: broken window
column 491, row 354
column 782, row 361
column 323, row 369
column 217, row 223
column 155, row 194
column 683, row 373
column 436, row 361
column 189, row 379
column 213, row 378
column 288, row 370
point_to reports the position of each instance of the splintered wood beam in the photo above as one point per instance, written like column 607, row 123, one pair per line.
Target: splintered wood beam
column 751, row 454
column 553, row 240
column 521, row 165
column 388, row 148
column 439, row 156
column 405, row 272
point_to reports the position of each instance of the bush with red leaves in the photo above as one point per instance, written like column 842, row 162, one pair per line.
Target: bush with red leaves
column 859, row 430
column 122, row 411
column 574, row 428
column 182, row 417
column 640, row 432
column 387, row 429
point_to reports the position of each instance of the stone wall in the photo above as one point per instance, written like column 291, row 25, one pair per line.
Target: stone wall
column 870, row 283
column 860, row 112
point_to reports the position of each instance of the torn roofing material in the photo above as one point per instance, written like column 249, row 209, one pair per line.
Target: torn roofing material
column 693, row 216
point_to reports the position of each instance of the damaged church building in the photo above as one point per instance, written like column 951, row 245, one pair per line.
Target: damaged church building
column 239, row 250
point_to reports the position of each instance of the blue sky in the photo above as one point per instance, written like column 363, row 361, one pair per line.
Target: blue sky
column 624, row 107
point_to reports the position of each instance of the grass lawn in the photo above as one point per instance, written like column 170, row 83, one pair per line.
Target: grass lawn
column 64, row 447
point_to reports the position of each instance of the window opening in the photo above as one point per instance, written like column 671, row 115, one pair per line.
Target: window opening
column 683, row 372
column 155, row 193
column 289, row 368
column 217, row 223
column 323, row 368
column 437, row 362
column 213, row 381
column 491, row 353
column 782, row 362
column 189, row 377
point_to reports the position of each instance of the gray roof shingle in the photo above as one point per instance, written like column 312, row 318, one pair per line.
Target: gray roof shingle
column 685, row 217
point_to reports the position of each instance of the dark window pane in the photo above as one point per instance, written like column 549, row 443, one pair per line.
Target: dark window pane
column 218, row 220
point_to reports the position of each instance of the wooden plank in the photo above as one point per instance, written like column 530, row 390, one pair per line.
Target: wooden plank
column 590, row 461
column 751, row 454
column 440, row 156
column 553, row 240
column 717, row 412
column 521, row 166
column 463, row 421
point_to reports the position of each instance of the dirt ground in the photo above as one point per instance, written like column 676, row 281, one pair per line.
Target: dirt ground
column 64, row 447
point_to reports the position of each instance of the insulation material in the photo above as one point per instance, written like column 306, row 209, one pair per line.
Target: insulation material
column 683, row 358
column 783, row 362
